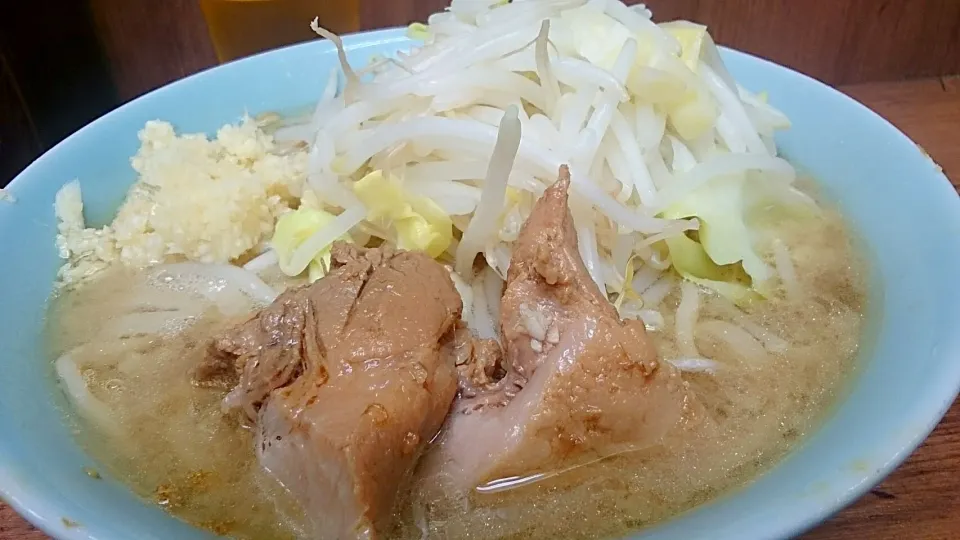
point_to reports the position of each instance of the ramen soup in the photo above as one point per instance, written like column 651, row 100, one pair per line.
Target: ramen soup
column 130, row 344
column 570, row 291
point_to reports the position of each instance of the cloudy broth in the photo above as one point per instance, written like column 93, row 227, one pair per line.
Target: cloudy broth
column 168, row 440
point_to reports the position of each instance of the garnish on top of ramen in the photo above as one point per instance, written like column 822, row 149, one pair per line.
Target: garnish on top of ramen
column 656, row 326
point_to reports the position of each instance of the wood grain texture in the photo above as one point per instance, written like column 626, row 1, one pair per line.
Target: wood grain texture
column 921, row 500
column 899, row 39
column 13, row 527
column 836, row 41
column 806, row 36
column 928, row 110
column 150, row 43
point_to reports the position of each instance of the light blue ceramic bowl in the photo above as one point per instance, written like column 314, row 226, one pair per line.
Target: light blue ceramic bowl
column 902, row 206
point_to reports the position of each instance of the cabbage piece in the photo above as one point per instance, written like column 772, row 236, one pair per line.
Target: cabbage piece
column 722, row 257
column 719, row 205
column 420, row 223
column 418, row 31
column 694, row 117
column 734, row 211
column 671, row 82
column 696, row 113
column 697, row 46
column 768, row 202
column 660, row 75
column 292, row 229
column 597, row 37
column 656, row 86
column 691, row 261
column 689, row 108
column 692, row 38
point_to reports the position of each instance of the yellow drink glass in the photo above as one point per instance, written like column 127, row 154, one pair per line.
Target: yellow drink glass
column 243, row 27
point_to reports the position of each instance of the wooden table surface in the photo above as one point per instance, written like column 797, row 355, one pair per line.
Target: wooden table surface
column 921, row 500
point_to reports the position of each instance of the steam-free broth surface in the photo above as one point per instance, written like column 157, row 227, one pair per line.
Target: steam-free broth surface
column 759, row 412
column 160, row 434
column 168, row 439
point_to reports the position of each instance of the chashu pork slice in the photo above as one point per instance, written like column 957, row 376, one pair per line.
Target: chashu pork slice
column 580, row 385
column 346, row 381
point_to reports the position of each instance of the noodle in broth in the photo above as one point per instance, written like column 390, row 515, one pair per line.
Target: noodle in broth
column 773, row 372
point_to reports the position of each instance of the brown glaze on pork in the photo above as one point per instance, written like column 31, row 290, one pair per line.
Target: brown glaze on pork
column 346, row 382
column 579, row 383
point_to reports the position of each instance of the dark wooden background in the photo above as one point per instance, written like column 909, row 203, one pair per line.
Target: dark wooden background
column 837, row 41
column 64, row 62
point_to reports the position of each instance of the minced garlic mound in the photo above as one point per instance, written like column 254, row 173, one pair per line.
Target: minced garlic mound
column 195, row 199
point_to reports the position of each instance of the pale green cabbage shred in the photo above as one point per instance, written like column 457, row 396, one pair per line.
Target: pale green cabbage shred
column 665, row 148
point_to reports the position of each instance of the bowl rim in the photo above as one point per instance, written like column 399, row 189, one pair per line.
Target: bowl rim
column 33, row 504
column 943, row 391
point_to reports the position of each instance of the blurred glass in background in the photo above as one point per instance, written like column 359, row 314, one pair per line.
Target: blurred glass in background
column 243, row 27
